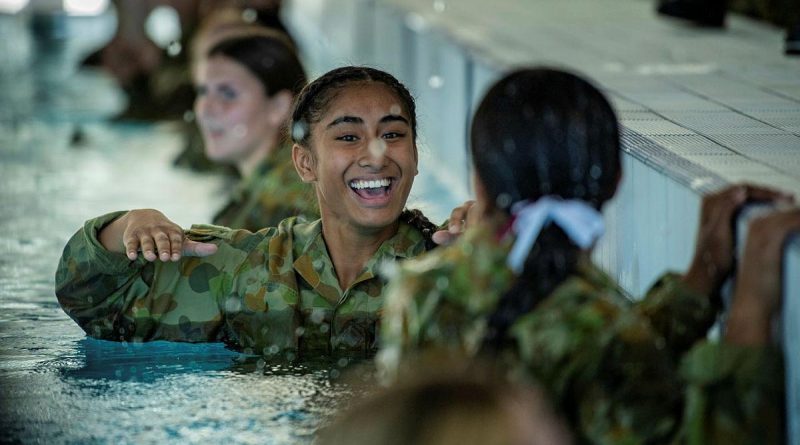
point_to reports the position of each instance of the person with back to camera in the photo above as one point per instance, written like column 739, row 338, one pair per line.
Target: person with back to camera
column 519, row 286
column 245, row 88
column 298, row 288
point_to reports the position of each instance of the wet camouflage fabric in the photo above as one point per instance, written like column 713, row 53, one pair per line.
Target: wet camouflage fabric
column 620, row 372
column 267, row 292
column 271, row 194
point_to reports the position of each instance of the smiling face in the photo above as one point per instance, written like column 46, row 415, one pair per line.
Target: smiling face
column 362, row 157
column 235, row 115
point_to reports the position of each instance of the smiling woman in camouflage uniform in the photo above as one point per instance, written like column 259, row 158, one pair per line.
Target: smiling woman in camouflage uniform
column 301, row 287
column 520, row 287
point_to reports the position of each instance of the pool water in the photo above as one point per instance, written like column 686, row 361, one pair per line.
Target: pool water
column 62, row 161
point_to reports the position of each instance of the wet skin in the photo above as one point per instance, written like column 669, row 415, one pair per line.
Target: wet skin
column 340, row 158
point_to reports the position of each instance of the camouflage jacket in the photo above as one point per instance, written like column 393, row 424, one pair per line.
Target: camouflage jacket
column 271, row 194
column 266, row 292
column 620, row 372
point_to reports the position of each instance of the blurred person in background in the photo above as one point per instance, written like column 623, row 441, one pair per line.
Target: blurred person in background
column 246, row 83
column 711, row 13
column 156, row 79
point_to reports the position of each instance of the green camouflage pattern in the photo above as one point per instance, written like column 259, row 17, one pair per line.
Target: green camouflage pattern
column 621, row 372
column 268, row 292
column 271, row 194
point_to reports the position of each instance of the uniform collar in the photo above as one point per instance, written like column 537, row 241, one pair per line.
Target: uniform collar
column 314, row 265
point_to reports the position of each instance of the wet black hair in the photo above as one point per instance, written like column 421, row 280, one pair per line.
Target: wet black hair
column 539, row 132
column 313, row 102
column 270, row 57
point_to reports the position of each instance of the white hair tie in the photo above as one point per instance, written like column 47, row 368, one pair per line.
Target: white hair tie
column 582, row 223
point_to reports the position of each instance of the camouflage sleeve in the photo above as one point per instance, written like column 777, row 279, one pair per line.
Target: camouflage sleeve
column 612, row 373
column 735, row 395
column 679, row 315
column 113, row 298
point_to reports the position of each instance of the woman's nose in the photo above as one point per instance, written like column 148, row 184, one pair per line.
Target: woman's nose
column 205, row 106
column 373, row 154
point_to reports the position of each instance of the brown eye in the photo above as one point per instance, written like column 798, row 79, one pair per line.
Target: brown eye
column 393, row 135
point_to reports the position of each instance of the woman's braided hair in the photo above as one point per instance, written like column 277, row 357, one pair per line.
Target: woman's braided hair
column 540, row 132
column 313, row 102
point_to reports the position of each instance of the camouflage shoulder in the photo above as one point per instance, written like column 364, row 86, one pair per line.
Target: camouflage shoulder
column 239, row 238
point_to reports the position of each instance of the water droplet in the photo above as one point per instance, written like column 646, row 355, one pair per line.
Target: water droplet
column 174, row 48
column 317, row 316
column 435, row 82
column 342, row 362
column 260, row 364
column 239, row 130
column 299, row 131
column 377, row 148
column 503, row 200
column 233, row 305
column 595, row 171
column 416, row 22
column 335, row 373
column 267, row 62
column 249, row 15
column 442, row 283
column 188, row 116
column 324, row 328
column 439, row 6
column 299, row 331
column 511, row 89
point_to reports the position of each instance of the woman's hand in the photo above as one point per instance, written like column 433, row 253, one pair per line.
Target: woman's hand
column 714, row 250
column 456, row 224
column 757, row 297
column 150, row 232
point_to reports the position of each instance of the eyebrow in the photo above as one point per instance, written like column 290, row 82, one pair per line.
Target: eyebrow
column 358, row 120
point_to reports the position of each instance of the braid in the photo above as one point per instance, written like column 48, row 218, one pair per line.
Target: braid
column 416, row 219
column 559, row 137
column 552, row 259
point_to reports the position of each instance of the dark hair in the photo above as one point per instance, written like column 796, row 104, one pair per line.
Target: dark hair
column 313, row 100
column 543, row 132
column 270, row 57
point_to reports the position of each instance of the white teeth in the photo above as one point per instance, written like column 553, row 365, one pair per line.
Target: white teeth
column 361, row 184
